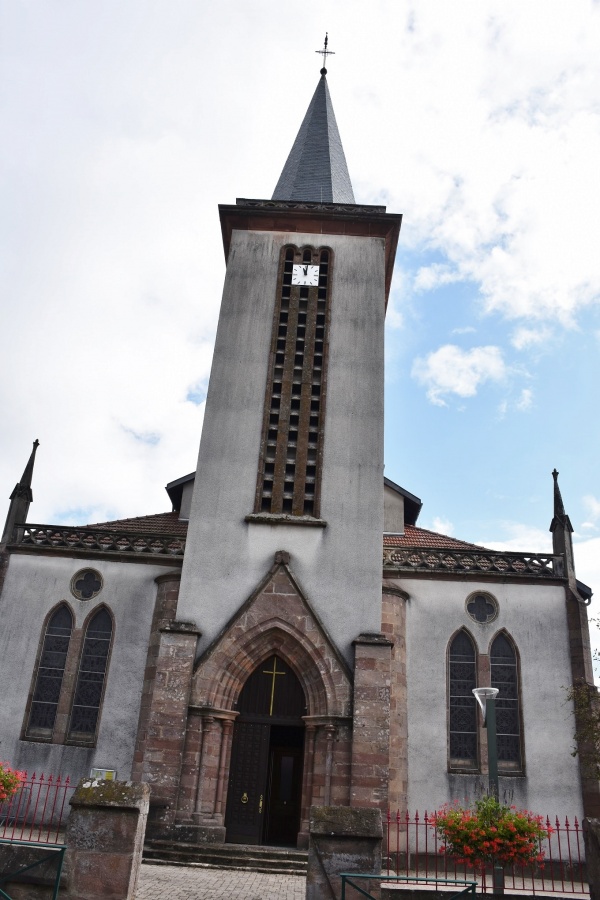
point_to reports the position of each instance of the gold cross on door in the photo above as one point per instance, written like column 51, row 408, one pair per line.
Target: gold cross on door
column 274, row 673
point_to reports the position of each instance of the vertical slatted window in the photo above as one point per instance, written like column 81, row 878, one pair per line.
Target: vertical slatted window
column 292, row 444
column 91, row 677
column 505, row 677
column 463, row 710
column 49, row 677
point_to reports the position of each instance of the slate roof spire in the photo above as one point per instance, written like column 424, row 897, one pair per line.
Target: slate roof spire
column 316, row 168
column 20, row 498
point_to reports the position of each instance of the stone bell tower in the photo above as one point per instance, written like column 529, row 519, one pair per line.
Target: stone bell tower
column 279, row 607
column 291, row 456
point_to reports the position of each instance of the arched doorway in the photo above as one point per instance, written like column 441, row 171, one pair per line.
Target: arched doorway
column 265, row 780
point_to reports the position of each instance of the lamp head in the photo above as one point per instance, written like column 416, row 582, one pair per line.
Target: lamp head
column 483, row 694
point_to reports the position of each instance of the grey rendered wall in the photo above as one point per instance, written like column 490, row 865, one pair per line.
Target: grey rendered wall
column 33, row 586
column 535, row 617
column 339, row 567
column 393, row 511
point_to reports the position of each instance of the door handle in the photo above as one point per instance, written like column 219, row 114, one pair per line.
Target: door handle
column 244, row 797
column 260, row 804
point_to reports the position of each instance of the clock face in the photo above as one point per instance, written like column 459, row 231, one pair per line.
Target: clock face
column 305, row 274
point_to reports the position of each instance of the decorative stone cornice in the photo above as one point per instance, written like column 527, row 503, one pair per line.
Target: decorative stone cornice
column 91, row 541
column 473, row 562
column 352, row 208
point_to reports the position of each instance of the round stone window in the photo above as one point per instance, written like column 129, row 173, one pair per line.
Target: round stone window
column 482, row 607
column 86, row 584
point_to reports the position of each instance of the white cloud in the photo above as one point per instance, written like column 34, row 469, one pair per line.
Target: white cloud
column 521, row 538
column 592, row 506
column 525, row 400
column 430, row 277
column 467, row 329
column 525, row 337
column 442, row 526
column 451, row 370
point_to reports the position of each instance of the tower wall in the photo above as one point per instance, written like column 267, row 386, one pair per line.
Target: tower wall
column 339, row 566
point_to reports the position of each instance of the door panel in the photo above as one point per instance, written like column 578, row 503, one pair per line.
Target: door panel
column 247, row 783
column 284, row 795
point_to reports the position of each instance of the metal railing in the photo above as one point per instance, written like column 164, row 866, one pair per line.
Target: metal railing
column 18, row 867
column 349, row 878
column 414, row 850
column 37, row 811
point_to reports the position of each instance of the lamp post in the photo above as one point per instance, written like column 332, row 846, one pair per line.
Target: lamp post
column 486, row 697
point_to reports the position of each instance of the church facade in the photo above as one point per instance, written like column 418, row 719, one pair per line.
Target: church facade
column 287, row 636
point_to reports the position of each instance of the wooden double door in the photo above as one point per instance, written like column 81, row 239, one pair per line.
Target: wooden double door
column 265, row 776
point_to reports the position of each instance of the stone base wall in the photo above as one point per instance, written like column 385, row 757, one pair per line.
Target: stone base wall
column 342, row 839
column 105, row 837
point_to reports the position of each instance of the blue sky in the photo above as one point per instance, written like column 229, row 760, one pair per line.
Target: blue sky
column 126, row 125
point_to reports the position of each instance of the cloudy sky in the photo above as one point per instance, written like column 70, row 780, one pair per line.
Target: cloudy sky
column 125, row 124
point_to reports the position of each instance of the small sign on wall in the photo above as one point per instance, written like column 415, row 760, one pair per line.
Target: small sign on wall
column 104, row 774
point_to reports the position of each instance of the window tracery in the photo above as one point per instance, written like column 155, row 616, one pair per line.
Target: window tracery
column 462, row 678
column 91, row 677
column 50, row 674
column 505, row 677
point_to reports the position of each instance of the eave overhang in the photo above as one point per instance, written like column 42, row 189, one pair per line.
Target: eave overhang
column 314, row 218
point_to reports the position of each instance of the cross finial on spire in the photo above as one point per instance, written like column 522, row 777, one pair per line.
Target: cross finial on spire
column 325, row 53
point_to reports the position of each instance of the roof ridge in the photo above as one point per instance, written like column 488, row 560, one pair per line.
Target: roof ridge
column 448, row 537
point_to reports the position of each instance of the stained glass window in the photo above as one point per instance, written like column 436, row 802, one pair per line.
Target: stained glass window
column 463, row 710
column 49, row 677
column 505, row 677
column 90, row 678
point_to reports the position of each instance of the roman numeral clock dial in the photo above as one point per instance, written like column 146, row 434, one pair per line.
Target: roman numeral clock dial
column 304, row 274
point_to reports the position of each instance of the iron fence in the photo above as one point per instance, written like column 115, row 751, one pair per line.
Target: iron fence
column 414, row 850
column 37, row 811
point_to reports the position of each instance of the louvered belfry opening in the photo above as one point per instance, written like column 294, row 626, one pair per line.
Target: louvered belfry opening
column 292, row 441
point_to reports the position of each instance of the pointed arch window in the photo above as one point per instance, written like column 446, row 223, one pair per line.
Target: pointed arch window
column 505, row 677
column 50, row 674
column 462, row 678
column 91, row 677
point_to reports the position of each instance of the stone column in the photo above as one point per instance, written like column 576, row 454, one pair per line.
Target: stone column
column 591, row 835
column 165, row 608
column 343, row 839
column 104, row 838
column 371, row 725
column 167, row 722
column 393, row 624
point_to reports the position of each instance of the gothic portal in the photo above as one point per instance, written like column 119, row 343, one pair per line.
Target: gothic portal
column 265, row 782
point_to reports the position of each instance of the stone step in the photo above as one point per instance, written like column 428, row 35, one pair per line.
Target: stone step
column 276, row 860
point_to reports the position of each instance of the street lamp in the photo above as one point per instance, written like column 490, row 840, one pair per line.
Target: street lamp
column 486, row 697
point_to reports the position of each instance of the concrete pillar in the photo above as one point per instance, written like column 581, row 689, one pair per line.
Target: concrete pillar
column 371, row 724
column 343, row 839
column 105, row 837
column 167, row 718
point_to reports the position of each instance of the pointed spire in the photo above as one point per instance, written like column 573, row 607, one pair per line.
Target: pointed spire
column 560, row 518
column 316, row 168
column 20, row 498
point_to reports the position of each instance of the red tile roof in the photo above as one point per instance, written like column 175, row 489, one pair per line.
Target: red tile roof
column 169, row 523
column 420, row 537
column 161, row 523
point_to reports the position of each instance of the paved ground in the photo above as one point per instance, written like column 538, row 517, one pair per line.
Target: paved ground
column 190, row 883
